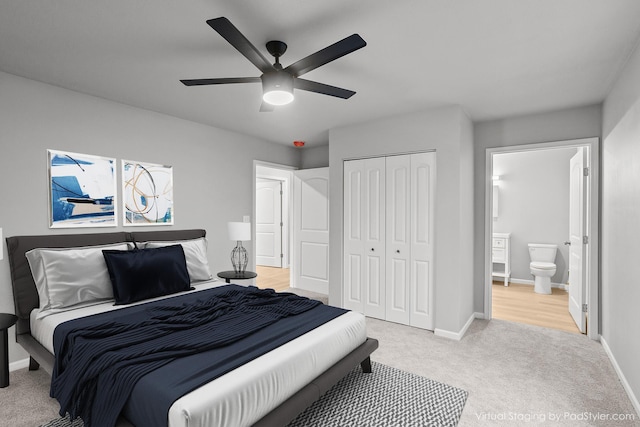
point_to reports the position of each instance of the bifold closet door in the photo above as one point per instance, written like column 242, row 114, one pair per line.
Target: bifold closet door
column 388, row 237
column 421, row 282
column 398, row 237
column 364, row 238
column 409, row 239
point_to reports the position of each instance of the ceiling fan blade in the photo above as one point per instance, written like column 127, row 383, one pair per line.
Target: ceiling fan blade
column 322, row 88
column 231, row 34
column 265, row 107
column 326, row 55
column 200, row 82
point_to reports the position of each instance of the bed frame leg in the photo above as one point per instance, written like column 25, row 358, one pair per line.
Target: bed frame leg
column 33, row 365
column 366, row 365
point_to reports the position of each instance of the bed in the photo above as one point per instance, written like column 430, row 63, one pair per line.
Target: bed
column 322, row 370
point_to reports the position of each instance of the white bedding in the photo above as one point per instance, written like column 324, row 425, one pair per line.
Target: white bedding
column 246, row 394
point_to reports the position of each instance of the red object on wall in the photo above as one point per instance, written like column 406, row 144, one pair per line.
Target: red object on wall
column 298, row 143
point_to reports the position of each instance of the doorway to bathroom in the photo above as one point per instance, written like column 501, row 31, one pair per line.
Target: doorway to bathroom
column 542, row 207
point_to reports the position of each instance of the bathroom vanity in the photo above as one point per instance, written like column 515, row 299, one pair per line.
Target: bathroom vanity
column 500, row 254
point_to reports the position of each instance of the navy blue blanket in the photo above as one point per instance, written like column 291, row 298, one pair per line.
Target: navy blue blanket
column 171, row 347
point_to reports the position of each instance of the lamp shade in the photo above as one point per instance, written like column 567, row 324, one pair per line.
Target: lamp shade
column 239, row 231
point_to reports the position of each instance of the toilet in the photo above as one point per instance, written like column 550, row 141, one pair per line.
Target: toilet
column 542, row 266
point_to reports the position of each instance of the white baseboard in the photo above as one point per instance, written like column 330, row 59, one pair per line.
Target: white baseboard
column 562, row 286
column 19, row 364
column 623, row 379
column 457, row 335
column 480, row 315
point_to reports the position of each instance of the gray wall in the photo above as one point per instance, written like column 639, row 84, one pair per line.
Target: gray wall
column 449, row 132
column 35, row 116
column 314, row 157
column 621, row 223
column 533, row 205
column 575, row 123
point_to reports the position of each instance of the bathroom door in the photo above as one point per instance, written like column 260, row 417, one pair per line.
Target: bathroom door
column 577, row 254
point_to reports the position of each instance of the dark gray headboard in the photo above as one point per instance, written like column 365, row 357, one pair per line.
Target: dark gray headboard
column 25, row 294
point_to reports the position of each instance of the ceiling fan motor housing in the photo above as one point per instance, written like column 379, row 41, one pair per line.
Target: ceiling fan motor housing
column 277, row 87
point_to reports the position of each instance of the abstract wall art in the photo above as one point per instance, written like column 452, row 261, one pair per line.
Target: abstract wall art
column 147, row 192
column 82, row 190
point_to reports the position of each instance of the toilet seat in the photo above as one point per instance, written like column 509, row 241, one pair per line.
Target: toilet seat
column 542, row 265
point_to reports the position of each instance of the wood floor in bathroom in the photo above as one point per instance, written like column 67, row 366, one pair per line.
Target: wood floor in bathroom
column 518, row 303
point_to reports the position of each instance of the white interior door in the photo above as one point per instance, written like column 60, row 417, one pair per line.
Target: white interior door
column 577, row 264
column 269, row 223
column 310, row 255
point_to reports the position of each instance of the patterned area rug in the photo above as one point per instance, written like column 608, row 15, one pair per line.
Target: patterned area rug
column 387, row 397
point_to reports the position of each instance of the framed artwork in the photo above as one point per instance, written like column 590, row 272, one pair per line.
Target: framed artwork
column 82, row 190
column 147, row 192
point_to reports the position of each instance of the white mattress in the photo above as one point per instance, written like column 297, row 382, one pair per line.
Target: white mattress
column 246, row 394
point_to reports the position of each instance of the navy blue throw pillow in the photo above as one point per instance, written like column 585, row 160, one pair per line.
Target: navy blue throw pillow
column 142, row 274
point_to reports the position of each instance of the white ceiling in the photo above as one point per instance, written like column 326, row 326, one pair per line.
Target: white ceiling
column 495, row 58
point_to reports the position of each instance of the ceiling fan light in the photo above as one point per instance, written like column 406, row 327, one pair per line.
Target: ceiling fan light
column 277, row 88
column 278, row 97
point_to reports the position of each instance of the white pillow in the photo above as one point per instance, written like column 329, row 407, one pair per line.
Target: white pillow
column 71, row 277
column 195, row 252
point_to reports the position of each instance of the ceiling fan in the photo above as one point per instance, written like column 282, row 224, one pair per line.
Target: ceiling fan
column 278, row 82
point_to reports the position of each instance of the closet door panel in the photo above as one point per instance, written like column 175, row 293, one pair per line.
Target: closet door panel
column 397, row 292
column 374, row 288
column 353, row 282
column 421, row 272
column 374, row 201
column 353, row 232
column 398, row 237
column 374, row 239
column 422, row 220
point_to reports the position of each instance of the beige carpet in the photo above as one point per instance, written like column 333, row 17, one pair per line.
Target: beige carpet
column 515, row 375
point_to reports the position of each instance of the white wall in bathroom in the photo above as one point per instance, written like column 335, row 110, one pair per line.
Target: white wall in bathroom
column 534, row 205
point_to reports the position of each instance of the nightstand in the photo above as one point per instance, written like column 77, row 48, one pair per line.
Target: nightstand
column 6, row 321
column 232, row 275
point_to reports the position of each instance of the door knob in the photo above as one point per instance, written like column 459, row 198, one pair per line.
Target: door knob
column 567, row 243
column 398, row 251
column 372, row 250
